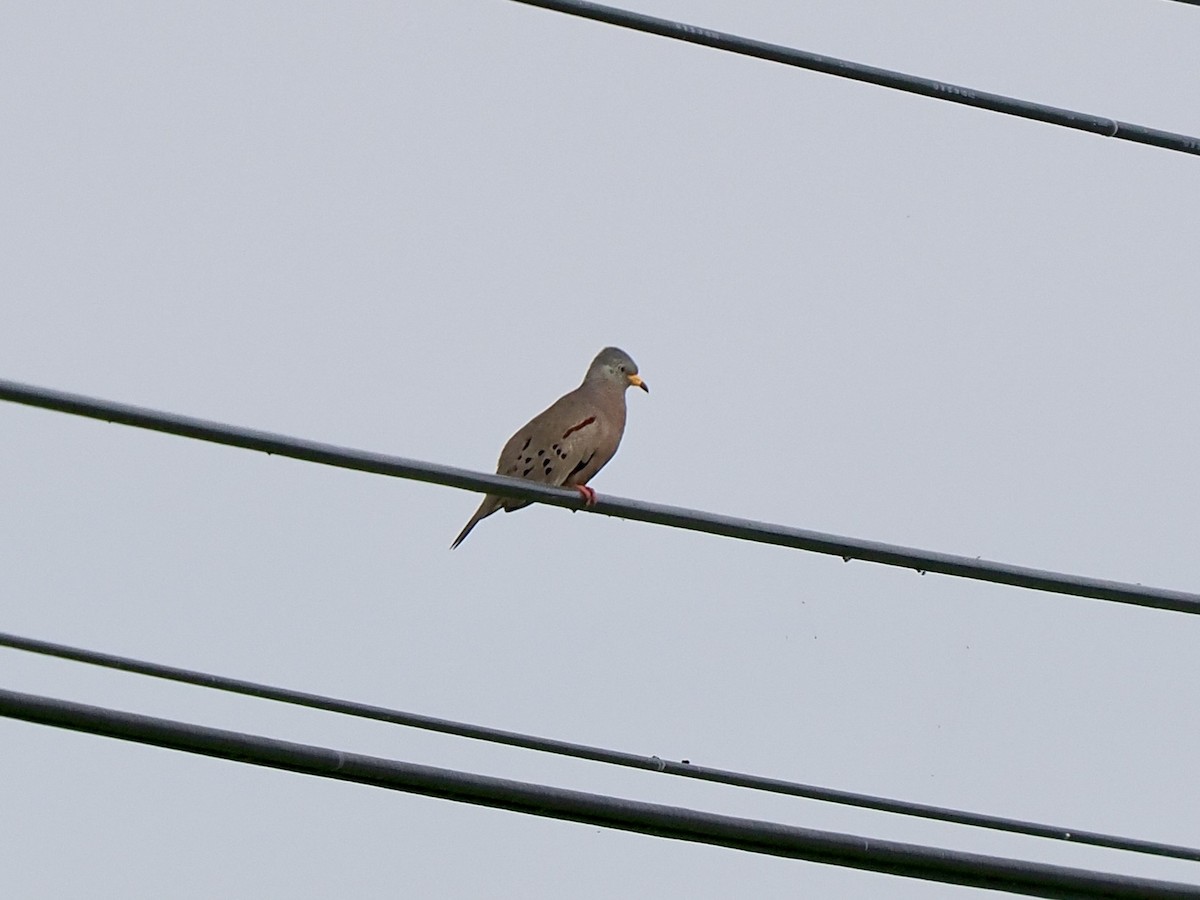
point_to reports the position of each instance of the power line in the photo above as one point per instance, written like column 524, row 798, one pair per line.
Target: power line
column 775, row 839
column 582, row 751
column 607, row 505
column 927, row 87
column 635, row 510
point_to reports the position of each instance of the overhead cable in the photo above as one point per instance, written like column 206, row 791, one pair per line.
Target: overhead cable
column 909, row 860
column 606, row 505
column 597, row 754
column 928, row 87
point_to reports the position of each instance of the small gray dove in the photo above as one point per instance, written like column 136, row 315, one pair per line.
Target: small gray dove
column 572, row 440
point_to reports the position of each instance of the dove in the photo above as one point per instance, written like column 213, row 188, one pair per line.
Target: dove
column 571, row 441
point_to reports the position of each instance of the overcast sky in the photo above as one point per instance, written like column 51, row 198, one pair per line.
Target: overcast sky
column 407, row 227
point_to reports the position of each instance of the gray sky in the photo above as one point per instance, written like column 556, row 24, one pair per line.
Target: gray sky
column 407, row 227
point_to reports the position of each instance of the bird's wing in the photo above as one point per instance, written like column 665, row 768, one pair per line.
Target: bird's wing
column 559, row 443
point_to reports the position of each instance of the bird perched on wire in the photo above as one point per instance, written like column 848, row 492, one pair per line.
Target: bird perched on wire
column 572, row 440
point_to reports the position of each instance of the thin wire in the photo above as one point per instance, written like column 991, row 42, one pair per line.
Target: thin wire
column 909, row 860
column 927, row 87
column 636, row 510
column 582, row 751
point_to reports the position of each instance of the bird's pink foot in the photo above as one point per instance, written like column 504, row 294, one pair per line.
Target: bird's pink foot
column 589, row 496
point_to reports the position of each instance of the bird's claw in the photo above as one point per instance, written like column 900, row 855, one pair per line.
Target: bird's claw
column 589, row 495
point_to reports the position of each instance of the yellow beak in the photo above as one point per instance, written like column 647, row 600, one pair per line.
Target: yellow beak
column 636, row 381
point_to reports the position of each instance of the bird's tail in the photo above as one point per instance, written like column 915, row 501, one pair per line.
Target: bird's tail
column 489, row 505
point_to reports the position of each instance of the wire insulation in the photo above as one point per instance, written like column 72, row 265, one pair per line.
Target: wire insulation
column 596, row 754
column 927, row 87
column 607, row 505
column 909, row 860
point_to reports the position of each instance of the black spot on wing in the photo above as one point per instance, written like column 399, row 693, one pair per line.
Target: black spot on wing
column 580, row 467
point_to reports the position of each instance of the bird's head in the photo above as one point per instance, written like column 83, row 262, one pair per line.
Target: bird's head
column 616, row 367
